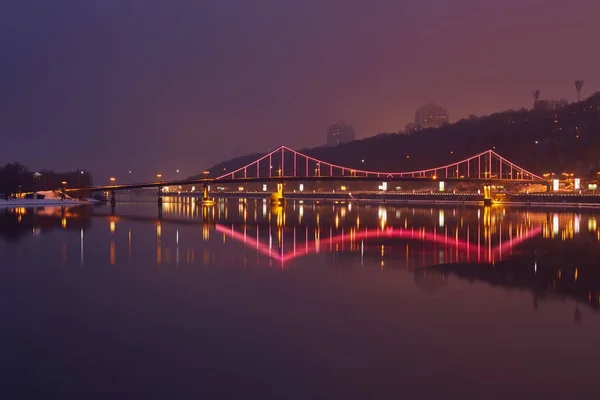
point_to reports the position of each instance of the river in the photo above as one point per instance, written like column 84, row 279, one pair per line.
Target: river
column 310, row 301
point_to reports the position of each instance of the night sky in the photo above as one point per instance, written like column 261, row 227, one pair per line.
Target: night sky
column 159, row 85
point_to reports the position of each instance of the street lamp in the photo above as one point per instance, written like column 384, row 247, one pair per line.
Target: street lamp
column 160, row 189
column 112, row 180
column 64, row 184
column 36, row 177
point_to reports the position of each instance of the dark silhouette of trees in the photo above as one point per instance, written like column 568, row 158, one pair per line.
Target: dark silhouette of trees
column 12, row 178
column 16, row 178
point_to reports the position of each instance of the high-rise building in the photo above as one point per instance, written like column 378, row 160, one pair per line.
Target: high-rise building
column 340, row 132
column 431, row 116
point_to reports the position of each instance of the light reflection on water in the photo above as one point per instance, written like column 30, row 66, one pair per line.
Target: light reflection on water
column 397, row 236
column 458, row 256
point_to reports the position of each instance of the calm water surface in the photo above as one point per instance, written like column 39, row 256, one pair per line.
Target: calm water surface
column 309, row 302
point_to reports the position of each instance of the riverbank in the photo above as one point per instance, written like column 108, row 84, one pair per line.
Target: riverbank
column 42, row 202
column 545, row 200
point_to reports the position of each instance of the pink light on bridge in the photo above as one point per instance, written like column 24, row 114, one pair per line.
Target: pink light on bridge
column 313, row 247
column 487, row 165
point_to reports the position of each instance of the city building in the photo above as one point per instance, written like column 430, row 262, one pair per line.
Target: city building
column 340, row 132
column 431, row 116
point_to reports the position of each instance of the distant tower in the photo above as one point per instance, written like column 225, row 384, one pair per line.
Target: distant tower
column 578, row 87
column 536, row 96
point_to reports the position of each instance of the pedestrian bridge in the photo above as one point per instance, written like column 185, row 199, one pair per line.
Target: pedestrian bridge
column 286, row 165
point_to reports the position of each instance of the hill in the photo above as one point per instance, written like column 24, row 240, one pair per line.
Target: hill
column 562, row 140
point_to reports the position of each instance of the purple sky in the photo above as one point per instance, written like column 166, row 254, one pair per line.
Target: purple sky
column 157, row 85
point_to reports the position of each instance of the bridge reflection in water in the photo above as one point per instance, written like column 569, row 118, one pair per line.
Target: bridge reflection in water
column 552, row 254
column 437, row 235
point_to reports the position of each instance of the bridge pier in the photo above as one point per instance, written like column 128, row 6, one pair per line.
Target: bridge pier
column 277, row 197
column 113, row 198
column 487, row 195
column 206, row 200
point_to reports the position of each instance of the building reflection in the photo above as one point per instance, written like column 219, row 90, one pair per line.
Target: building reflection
column 547, row 279
column 18, row 223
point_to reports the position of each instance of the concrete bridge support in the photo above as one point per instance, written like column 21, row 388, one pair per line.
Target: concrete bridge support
column 277, row 197
column 487, row 195
column 206, row 200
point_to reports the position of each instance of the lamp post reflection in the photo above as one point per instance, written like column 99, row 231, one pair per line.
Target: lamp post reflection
column 396, row 236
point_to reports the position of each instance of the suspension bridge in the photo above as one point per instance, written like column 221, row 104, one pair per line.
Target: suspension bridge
column 287, row 165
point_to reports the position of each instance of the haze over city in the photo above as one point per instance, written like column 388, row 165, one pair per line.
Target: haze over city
column 155, row 86
column 299, row 199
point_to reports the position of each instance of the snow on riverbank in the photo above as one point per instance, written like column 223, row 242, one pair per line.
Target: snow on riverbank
column 50, row 200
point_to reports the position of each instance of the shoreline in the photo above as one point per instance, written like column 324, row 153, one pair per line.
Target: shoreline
column 393, row 199
column 472, row 200
column 42, row 202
